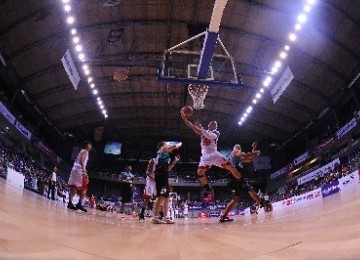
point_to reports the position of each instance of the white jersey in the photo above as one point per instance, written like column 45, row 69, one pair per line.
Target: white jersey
column 151, row 171
column 209, row 146
column 77, row 163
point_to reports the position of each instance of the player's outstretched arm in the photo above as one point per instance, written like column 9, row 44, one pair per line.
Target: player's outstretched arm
column 171, row 166
column 196, row 129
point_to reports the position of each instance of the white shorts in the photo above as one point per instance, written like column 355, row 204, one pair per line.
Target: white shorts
column 215, row 158
column 76, row 177
column 150, row 188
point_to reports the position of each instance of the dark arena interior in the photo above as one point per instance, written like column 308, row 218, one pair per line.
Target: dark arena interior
column 89, row 88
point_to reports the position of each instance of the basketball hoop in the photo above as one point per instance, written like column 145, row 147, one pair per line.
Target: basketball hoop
column 198, row 94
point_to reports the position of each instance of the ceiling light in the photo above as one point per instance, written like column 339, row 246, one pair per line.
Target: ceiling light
column 73, row 31
column 277, row 64
column 307, row 8
column 101, row 106
column 95, row 92
column 261, row 90
column 292, row 36
column 249, row 109
column 67, row 8
column 311, row 1
column 98, row 98
column 87, row 72
column 274, row 70
column 66, row 1
column 258, row 95
column 242, row 118
column 70, row 20
column 254, row 101
column 302, row 18
column 78, row 48
column 90, row 79
column 76, row 39
column 240, row 123
column 85, row 67
column 99, row 102
column 106, row 116
column 283, row 55
column 268, row 79
column 81, row 56
column 104, row 111
column 92, row 85
column 298, row 27
column 287, row 47
column 245, row 115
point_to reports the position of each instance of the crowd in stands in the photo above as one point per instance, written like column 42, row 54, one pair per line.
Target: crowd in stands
column 37, row 177
column 339, row 171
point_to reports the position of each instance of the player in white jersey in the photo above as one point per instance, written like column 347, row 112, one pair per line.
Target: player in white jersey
column 78, row 180
column 209, row 153
column 150, row 188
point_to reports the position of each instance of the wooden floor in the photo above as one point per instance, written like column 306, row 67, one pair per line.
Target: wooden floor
column 31, row 227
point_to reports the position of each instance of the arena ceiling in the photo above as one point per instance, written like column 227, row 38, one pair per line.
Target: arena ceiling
column 34, row 36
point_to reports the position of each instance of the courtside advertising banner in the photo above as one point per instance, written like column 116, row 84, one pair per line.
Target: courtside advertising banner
column 23, row 130
column 318, row 172
column 330, row 189
column 349, row 180
column 302, row 158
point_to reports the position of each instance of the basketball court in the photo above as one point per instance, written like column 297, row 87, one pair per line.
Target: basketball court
column 32, row 227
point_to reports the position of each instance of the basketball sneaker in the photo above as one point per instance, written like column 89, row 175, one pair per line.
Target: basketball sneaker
column 71, row 206
column 79, row 206
column 157, row 220
column 225, row 219
column 141, row 216
column 169, row 221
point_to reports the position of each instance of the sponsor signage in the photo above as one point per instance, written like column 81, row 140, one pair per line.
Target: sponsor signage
column 346, row 128
column 302, row 158
column 349, row 180
column 6, row 113
column 282, row 84
column 318, row 172
column 23, row 130
column 70, row 69
column 329, row 189
column 282, row 170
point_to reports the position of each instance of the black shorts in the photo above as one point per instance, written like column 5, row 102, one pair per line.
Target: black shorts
column 239, row 187
column 162, row 183
column 126, row 193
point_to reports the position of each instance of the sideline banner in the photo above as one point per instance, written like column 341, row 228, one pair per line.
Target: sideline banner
column 314, row 194
column 312, row 175
column 330, row 189
column 70, row 69
column 15, row 179
column 349, row 180
column 6, row 113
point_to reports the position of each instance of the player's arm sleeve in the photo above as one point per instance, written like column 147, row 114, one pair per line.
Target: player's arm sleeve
column 209, row 135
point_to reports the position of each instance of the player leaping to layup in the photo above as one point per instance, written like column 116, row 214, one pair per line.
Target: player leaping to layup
column 209, row 153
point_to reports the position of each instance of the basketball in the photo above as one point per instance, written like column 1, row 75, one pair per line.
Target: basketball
column 187, row 111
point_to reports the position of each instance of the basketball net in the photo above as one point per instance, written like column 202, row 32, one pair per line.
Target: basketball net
column 198, row 94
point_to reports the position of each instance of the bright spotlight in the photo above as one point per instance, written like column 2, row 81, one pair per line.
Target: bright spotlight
column 307, row 8
column 85, row 67
column 283, row 55
column 70, row 20
column 98, row 98
column 258, row 95
column 67, row 8
column 240, row 123
column 268, row 79
column 277, row 64
column 76, row 39
column 104, row 111
column 90, row 79
column 287, row 47
column 99, row 102
column 81, row 56
column 106, row 116
column 249, row 109
column 311, row 1
column 298, row 27
column 261, row 90
column 101, row 106
column 245, row 115
column 292, row 37
column 78, row 48
column 92, row 85
column 274, row 70
column 242, row 118
column 73, row 31
column 66, row 1
column 254, row 101
column 95, row 92
column 302, row 18
column 87, row 72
